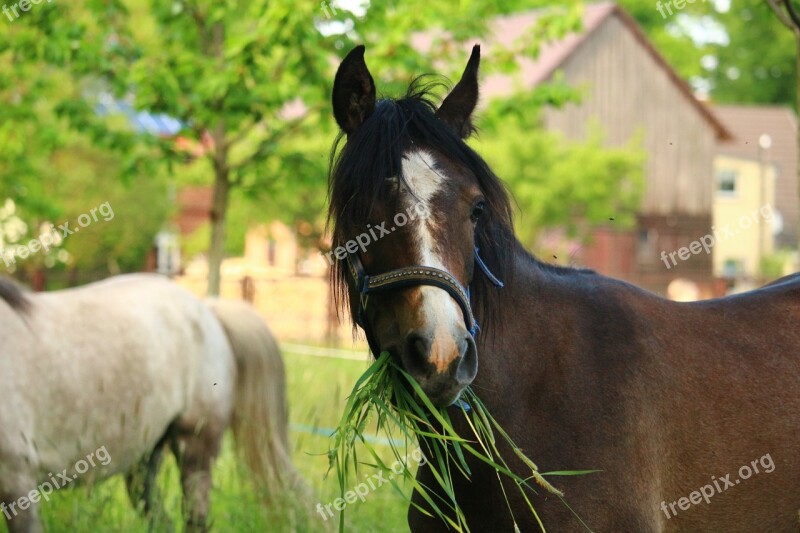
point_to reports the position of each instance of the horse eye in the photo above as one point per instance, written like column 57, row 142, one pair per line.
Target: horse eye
column 477, row 211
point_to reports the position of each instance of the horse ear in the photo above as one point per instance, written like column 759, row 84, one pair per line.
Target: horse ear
column 353, row 92
column 457, row 108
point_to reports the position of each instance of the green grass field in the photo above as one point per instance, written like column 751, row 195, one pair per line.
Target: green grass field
column 317, row 388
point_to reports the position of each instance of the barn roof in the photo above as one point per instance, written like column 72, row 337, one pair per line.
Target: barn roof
column 505, row 30
column 749, row 122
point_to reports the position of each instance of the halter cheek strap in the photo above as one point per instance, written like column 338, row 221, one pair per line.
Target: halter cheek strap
column 485, row 269
column 412, row 276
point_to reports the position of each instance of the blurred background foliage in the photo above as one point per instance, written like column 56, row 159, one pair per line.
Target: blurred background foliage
column 249, row 82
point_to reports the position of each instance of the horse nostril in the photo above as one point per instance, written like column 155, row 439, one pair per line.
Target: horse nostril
column 418, row 349
column 467, row 364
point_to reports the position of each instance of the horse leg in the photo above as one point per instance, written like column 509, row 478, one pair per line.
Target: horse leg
column 194, row 452
column 142, row 488
column 20, row 520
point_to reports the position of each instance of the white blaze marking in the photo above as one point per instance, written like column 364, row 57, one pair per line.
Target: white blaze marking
column 439, row 310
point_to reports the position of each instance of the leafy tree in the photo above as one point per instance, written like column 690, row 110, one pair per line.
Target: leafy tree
column 29, row 128
column 759, row 64
column 127, row 216
column 248, row 80
column 214, row 66
column 741, row 54
column 230, row 70
column 51, row 172
column 559, row 183
column 86, row 228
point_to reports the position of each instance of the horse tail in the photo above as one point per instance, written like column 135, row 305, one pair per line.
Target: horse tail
column 260, row 419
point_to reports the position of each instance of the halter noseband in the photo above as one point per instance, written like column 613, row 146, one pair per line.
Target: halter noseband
column 412, row 276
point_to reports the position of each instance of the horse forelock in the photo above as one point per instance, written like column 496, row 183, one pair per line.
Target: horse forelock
column 368, row 171
column 13, row 295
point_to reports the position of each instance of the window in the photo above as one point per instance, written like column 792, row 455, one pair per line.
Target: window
column 732, row 268
column 726, row 182
column 647, row 239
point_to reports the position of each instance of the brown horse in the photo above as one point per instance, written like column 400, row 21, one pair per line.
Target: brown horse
column 690, row 410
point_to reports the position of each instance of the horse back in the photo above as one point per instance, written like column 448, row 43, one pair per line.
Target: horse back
column 113, row 363
column 721, row 388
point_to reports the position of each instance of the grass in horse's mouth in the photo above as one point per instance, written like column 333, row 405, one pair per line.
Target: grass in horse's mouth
column 388, row 396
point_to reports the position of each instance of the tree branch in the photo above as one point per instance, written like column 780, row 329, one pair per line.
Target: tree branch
column 199, row 19
column 236, row 139
column 786, row 14
column 776, row 8
column 793, row 14
column 262, row 148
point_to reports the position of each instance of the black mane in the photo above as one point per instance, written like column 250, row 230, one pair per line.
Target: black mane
column 374, row 152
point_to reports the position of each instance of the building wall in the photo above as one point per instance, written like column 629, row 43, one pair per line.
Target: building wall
column 636, row 255
column 289, row 286
column 748, row 123
column 628, row 93
column 296, row 308
column 748, row 214
column 659, row 236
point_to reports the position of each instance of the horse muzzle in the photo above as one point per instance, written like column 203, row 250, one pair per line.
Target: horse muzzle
column 443, row 365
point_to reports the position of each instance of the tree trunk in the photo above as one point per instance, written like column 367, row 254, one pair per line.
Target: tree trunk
column 222, row 184
column 219, row 209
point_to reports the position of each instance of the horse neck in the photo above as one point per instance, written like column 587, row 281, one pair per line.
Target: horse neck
column 534, row 310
